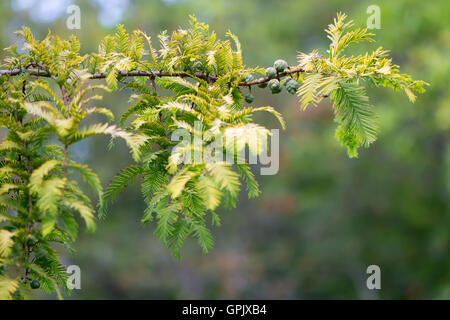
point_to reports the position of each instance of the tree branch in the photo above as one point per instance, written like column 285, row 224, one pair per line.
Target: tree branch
column 101, row 75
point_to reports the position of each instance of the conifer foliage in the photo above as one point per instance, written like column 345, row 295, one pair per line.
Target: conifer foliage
column 46, row 91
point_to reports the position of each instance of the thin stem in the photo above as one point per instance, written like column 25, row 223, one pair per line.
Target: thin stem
column 66, row 147
column 66, row 99
column 24, row 244
column 30, row 217
column 152, row 80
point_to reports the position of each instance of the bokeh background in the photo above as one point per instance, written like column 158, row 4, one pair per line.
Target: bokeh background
column 324, row 217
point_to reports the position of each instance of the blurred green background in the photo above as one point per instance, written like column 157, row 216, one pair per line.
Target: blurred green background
column 324, row 217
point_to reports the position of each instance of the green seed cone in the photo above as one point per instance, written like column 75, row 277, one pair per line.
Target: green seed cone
column 280, row 65
column 35, row 284
column 292, row 86
column 271, row 72
column 275, row 86
column 249, row 98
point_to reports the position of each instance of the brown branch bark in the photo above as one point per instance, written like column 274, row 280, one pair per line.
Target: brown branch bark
column 43, row 73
